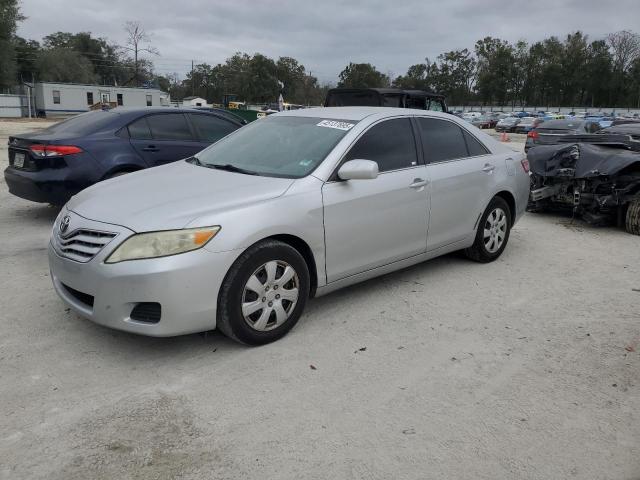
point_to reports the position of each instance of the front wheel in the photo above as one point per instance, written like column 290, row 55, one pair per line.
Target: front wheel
column 264, row 293
column 632, row 223
column 493, row 232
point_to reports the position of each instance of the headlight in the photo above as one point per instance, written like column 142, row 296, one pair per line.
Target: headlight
column 162, row 244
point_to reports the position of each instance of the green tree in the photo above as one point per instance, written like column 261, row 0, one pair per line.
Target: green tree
column 109, row 66
column 27, row 52
column 495, row 61
column 417, row 77
column 64, row 65
column 9, row 17
column 362, row 75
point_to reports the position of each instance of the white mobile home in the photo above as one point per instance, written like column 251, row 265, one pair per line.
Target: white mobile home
column 71, row 98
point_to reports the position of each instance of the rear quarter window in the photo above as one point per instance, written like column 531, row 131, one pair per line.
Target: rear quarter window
column 474, row 147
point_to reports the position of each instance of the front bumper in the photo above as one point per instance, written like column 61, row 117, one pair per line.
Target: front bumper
column 185, row 285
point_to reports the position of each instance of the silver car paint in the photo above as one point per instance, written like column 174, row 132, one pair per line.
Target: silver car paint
column 251, row 208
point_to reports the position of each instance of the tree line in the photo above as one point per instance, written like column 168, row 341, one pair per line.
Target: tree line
column 575, row 71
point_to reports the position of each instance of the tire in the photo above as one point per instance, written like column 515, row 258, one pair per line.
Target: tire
column 632, row 224
column 483, row 250
column 272, row 316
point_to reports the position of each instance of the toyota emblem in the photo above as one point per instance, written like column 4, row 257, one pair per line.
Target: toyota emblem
column 64, row 224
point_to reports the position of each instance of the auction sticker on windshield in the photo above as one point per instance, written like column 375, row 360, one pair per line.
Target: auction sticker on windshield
column 335, row 124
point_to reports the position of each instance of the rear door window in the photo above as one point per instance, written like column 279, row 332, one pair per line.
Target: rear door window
column 390, row 143
column 139, row 130
column 169, row 126
column 210, row 128
column 441, row 140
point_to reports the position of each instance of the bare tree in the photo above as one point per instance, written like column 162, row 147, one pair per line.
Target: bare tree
column 138, row 41
column 626, row 48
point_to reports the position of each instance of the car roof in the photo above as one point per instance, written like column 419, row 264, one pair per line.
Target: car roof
column 388, row 91
column 358, row 113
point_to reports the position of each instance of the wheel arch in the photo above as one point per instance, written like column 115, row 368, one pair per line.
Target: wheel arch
column 508, row 197
column 128, row 168
column 305, row 250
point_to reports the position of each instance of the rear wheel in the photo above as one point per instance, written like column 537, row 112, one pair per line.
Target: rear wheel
column 493, row 232
column 263, row 294
column 632, row 223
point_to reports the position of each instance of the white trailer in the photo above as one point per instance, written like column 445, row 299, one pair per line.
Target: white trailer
column 55, row 99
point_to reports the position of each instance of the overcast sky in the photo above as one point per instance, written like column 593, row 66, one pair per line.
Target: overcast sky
column 325, row 34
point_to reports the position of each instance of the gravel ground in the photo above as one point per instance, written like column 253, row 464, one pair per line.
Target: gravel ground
column 526, row 368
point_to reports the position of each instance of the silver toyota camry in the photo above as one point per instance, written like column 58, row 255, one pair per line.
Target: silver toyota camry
column 292, row 206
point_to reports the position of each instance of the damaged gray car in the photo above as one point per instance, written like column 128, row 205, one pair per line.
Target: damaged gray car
column 595, row 177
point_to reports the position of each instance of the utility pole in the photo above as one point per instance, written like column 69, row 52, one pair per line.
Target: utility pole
column 193, row 83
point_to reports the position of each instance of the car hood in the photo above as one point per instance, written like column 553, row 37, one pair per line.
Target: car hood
column 171, row 196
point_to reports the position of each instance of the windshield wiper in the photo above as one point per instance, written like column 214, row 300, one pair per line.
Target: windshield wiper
column 230, row 168
column 195, row 161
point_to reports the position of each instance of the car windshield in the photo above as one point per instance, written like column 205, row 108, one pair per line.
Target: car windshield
column 290, row 147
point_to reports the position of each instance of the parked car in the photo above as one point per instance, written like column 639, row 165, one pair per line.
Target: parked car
column 53, row 164
column 481, row 122
column 295, row 205
column 600, row 182
column 507, row 124
column 632, row 129
column 549, row 132
column 527, row 124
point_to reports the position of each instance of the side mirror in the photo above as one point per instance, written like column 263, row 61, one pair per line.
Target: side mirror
column 358, row 170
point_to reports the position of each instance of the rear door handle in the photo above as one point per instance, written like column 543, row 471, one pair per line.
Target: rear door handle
column 150, row 148
column 418, row 183
column 488, row 168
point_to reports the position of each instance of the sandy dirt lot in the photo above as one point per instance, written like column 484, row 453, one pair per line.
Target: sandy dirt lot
column 526, row 368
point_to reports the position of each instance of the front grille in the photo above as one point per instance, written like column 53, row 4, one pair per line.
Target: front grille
column 83, row 245
column 148, row 312
column 83, row 298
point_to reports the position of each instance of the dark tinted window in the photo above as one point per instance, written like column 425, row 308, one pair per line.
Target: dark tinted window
column 210, row 128
column 169, row 126
column 441, row 140
column 473, row 145
column 392, row 101
column 139, row 130
column 89, row 98
column 119, row 98
column 389, row 143
column 84, row 124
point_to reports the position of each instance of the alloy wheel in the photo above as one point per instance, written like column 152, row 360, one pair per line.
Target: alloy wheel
column 270, row 295
column 495, row 230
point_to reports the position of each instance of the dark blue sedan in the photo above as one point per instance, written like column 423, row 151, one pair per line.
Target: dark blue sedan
column 53, row 164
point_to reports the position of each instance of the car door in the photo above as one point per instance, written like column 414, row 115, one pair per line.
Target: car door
column 370, row 223
column 163, row 138
column 210, row 128
column 460, row 170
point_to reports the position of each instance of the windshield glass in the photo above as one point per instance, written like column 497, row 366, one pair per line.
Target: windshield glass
column 290, row 147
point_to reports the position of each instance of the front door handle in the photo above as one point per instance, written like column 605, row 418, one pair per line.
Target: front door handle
column 418, row 183
column 150, row 148
column 488, row 168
